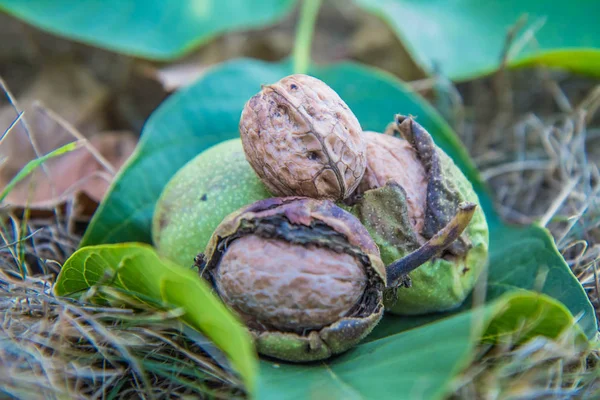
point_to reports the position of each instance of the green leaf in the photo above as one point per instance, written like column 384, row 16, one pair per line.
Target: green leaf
column 154, row 29
column 520, row 316
column 419, row 363
column 182, row 127
column 465, row 38
column 432, row 348
column 528, row 258
column 137, row 269
column 208, row 112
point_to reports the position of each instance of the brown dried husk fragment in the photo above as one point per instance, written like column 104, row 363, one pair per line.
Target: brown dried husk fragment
column 443, row 198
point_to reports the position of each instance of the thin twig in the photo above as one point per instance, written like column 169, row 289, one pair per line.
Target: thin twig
column 559, row 200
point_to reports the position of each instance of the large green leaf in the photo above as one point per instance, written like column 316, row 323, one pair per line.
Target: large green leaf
column 137, row 269
column 419, row 363
column 208, row 112
column 183, row 126
column 155, row 29
column 465, row 38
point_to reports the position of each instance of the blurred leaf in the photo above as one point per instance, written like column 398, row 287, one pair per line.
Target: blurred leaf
column 419, row 363
column 520, row 316
column 465, row 38
column 137, row 269
column 63, row 101
column 208, row 112
column 154, row 29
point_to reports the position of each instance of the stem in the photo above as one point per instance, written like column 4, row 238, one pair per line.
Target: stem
column 304, row 34
column 398, row 270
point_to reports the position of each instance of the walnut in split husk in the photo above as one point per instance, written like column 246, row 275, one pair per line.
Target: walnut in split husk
column 303, row 274
column 303, row 140
column 411, row 190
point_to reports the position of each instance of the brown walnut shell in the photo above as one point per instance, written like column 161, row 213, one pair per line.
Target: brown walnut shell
column 303, row 140
column 303, row 274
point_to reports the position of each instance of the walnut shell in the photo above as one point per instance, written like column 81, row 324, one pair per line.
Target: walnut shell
column 303, row 140
column 303, row 274
column 289, row 286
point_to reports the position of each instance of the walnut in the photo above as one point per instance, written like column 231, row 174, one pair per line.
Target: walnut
column 303, row 274
column 303, row 140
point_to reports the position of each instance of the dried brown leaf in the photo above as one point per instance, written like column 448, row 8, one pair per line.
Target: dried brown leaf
column 70, row 91
column 73, row 173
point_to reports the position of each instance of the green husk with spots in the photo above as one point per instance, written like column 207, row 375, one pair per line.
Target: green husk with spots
column 198, row 197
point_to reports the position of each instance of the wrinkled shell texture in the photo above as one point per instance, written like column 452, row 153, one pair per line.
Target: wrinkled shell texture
column 288, row 286
column 198, row 197
column 391, row 158
column 303, row 140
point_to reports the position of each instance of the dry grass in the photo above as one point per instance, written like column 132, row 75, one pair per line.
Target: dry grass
column 538, row 149
column 56, row 348
column 538, row 369
column 535, row 137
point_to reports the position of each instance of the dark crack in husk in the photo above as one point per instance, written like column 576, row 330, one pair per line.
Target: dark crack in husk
column 397, row 272
column 279, row 227
column 443, row 198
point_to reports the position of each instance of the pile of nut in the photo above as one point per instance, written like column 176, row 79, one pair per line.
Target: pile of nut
column 364, row 222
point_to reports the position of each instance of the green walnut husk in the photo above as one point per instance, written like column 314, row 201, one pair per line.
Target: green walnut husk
column 197, row 198
column 291, row 285
column 445, row 281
